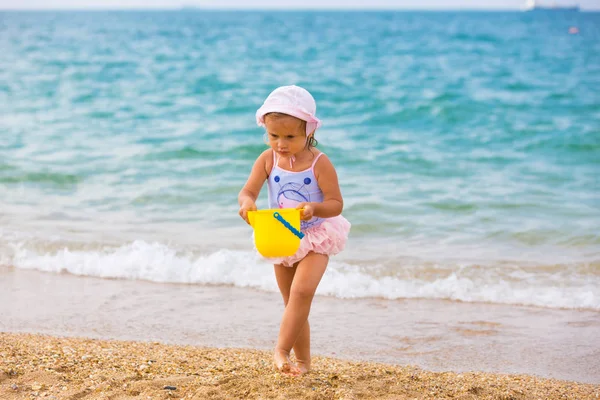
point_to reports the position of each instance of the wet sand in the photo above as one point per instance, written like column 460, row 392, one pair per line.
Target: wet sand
column 433, row 335
column 35, row 366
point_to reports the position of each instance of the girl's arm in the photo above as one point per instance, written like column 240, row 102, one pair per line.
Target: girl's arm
column 333, row 203
column 249, row 193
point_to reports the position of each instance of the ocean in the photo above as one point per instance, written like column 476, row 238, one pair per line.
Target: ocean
column 467, row 147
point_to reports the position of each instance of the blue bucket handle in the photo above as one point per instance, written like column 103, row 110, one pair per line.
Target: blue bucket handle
column 295, row 231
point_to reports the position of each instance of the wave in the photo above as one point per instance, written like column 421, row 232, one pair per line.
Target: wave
column 157, row 262
column 44, row 178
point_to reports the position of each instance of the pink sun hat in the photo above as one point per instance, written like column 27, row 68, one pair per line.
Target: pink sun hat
column 292, row 100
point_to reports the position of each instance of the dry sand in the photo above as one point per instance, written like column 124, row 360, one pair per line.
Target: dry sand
column 37, row 366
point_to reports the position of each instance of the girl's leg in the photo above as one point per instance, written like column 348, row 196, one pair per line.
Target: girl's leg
column 285, row 276
column 302, row 349
column 308, row 274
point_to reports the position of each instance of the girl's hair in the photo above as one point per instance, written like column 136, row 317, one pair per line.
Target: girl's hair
column 312, row 142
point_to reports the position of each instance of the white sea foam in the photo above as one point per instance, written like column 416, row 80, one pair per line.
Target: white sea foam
column 160, row 263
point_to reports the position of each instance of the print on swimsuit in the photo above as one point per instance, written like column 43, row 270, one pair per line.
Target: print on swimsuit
column 291, row 194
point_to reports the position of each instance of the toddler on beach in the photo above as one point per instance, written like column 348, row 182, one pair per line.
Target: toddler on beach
column 298, row 176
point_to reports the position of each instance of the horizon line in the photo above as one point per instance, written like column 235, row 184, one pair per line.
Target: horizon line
column 200, row 8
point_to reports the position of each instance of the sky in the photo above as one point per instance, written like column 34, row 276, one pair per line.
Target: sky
column 287, row 4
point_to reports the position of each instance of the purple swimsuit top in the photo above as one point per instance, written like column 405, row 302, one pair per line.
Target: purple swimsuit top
column 287, row 189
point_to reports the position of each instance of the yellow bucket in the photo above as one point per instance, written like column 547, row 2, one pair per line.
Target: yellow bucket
column 276, row 231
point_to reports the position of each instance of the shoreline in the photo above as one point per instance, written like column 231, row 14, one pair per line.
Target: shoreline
column 58, row 367
column 434, row 335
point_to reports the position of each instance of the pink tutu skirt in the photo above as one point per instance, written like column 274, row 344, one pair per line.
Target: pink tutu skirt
column 329, row 237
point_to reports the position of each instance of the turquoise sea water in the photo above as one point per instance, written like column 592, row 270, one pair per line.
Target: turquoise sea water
column 467, row 146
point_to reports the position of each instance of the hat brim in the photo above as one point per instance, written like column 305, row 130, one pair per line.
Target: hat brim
column 312, row 122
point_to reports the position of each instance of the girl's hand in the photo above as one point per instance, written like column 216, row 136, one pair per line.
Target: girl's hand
column 247, row 205
column 308, row 211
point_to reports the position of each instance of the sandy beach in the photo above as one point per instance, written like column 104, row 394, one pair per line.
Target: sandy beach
column 38, row 366
column 69, row 337
column 433, row 335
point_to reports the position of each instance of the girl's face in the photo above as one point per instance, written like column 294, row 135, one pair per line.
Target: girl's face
column 286, row 134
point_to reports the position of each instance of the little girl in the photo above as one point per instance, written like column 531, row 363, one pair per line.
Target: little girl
column 299, row 176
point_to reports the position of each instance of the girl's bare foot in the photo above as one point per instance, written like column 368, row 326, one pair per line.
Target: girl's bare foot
column 303, row 366
column 281, row 359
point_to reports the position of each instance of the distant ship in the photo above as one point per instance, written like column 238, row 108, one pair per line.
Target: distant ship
column 533, row 5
